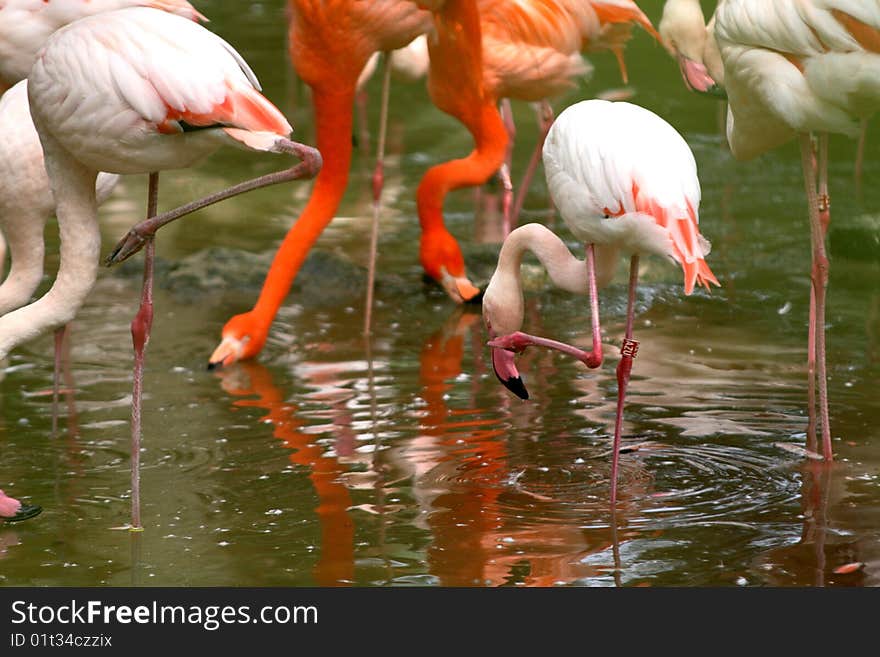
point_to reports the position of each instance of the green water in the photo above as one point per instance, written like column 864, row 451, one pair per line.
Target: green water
column 408, row 464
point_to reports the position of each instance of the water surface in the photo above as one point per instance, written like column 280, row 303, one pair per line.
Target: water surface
column 403, row 462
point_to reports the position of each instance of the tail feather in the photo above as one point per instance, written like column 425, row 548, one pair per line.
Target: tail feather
column 688, row 246
column 243, row 108
column 252, row 111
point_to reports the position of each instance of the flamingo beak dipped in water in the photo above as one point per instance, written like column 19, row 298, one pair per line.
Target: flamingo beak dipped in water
column 154, row 91
column 11, row 510
column 624, row 182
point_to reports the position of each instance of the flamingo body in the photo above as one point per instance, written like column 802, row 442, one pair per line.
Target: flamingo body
column 796, row 67
column 26, row 24
column 154, row 78
column 624, row 179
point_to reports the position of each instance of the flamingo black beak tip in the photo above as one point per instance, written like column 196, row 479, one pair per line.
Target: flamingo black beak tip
column 516, row 386
column 26, row 512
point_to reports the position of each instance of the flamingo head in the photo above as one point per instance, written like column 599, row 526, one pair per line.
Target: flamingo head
column 243, row 337
column 499, row 315
column 685, row 35
column 442, row 261
column 9, row 506
column 505, row 369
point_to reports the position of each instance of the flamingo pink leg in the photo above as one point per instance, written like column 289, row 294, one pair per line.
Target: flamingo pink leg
column 820, row 170
column 378, row 184
column 546, row 121
column 627, row 353
column 140, row 234
column 140, row 336
column 504, row 172
column 819, row 282
column 361, row 99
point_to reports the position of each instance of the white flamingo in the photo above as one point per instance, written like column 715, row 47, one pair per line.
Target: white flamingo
column 25, row 198
column 792, row 68
column 131, row 91
column 624, row 181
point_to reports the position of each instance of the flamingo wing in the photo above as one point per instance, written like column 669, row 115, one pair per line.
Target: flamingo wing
column 623, row 177
column 793, row 66
column 162, row 69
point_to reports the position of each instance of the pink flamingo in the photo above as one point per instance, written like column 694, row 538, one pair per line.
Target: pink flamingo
column 624, row 181
column 11, row 510
column 794, row 67
column 154, row 91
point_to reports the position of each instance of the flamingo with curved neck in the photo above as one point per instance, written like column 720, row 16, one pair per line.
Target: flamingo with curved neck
column 624, row 181
column 486, row 50
column 330, row 43
column 132, row 115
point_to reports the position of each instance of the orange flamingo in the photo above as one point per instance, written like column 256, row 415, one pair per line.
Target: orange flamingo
column 330, row 43
column 486, row 50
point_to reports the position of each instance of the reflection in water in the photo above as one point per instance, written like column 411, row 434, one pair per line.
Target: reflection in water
column 487, row 527
column 251, row 379
column 419, row 469
column 827, row 552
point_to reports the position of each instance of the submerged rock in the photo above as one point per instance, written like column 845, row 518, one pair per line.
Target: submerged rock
column 327, row 278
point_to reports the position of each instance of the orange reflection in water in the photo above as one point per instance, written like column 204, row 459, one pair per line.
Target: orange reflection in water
column 335, row 566
column 464, row 483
